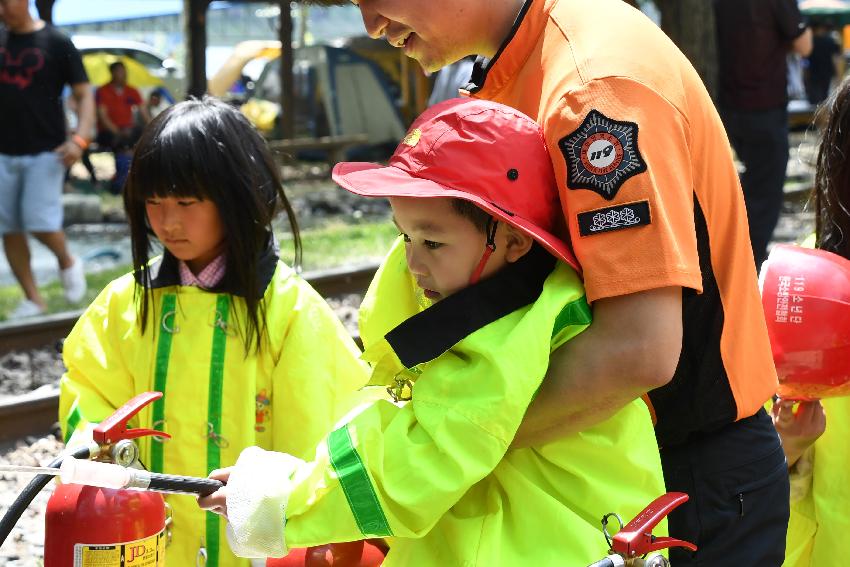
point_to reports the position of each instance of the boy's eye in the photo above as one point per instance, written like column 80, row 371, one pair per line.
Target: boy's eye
column 430, row 244
column 404, row 236
column 151, row 201
column 187, row 202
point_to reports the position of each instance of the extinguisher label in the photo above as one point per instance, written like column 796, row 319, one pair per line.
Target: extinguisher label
column 148, row 552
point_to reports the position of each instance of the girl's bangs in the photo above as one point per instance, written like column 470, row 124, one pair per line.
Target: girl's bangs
column 176, row 162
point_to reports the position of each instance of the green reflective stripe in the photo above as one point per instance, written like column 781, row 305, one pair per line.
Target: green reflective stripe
column 575, row 313
column 73, row 421
column 219, row 344
column 356, row 485
column 163, row 353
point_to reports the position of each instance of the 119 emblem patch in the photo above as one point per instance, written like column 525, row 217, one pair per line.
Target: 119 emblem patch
column 602, row 154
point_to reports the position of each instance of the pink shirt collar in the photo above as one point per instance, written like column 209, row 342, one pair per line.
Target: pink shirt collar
column 208, row 278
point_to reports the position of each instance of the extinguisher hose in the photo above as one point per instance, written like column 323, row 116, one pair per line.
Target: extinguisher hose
column 16, row 510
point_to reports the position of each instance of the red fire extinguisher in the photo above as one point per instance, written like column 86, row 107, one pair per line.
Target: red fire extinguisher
column 86, row 526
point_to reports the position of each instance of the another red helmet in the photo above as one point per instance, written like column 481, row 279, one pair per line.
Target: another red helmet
column 806, row 298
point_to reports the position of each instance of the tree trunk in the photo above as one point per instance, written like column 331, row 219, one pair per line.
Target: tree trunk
column 690, row 24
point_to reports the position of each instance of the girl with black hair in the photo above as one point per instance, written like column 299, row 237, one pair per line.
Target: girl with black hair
column 245, row 351
column 815, row 434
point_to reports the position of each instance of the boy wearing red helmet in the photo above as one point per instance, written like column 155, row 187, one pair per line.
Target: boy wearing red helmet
column 475, row 199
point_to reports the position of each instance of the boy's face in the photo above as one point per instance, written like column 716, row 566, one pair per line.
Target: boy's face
column 442, row 247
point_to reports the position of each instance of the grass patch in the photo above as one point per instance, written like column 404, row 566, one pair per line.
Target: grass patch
column 334, row 244
column 338, row 244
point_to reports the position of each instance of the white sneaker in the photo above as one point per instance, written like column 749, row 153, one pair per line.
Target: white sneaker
column 26, row 308
column 74, row 281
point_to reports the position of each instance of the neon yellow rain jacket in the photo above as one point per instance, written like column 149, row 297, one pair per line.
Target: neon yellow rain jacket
column 435, row 474
column 819, row 523
column 217, row 400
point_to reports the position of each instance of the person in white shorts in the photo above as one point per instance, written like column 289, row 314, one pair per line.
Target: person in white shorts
column 35, row 147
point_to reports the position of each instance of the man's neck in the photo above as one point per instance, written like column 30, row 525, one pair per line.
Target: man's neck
column 503, row 16
column 28, row 26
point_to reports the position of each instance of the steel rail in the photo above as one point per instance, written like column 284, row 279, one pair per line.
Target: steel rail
column 35, row 413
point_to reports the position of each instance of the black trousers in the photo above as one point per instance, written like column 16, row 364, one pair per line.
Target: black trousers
column 737, row 480
column 760, row 138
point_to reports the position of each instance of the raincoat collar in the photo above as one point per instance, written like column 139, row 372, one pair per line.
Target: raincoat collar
column 165, row 271
column 490, row 75
column 428, row 334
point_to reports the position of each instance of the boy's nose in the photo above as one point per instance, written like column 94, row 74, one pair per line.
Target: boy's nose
column 414, row 263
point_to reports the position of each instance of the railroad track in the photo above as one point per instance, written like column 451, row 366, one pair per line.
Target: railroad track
column 35, row 413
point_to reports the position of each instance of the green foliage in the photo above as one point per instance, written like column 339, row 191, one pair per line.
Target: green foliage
column 334, row 244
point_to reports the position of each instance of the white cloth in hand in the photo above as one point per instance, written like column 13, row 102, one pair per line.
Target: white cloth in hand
column 257, row 493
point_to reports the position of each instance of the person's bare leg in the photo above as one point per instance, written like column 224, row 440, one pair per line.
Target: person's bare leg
column 55, row 241
column 18, row 254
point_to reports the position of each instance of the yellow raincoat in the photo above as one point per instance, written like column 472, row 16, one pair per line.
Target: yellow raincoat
column 819, row 520
column 217, row 400
column 435, row 475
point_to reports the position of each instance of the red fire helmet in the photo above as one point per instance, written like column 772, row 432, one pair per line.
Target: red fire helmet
column 806, row 298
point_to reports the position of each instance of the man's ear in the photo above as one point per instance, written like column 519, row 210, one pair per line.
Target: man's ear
column 517, row 243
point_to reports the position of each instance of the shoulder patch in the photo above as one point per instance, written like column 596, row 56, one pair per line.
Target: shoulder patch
column 602, row 154
column 617, row 217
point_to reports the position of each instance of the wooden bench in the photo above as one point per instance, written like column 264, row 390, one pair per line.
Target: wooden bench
column 334, row 145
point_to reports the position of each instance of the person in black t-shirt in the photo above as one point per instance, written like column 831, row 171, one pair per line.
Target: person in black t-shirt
column 36, row 61
column 754, row 38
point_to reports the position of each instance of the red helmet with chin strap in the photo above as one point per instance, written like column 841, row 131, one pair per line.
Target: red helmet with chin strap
column 480, row 151
column 806, row 300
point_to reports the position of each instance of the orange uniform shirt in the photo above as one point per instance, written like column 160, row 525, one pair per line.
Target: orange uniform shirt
column 649, row 191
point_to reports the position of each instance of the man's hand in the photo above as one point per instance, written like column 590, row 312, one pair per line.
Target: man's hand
column 217, row 501
column 69, row 153
column 798, row 429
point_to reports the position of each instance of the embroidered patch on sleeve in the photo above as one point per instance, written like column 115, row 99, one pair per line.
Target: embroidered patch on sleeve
column 614, row 218
column 602, row 154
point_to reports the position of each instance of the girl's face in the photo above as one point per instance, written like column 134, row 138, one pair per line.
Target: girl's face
column 190, row 228
column 443, row 248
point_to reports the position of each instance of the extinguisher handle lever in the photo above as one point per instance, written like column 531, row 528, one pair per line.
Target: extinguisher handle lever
column 636, row 538
column 114, row 428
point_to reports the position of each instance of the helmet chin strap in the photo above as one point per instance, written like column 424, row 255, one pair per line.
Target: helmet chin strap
column 490, row 247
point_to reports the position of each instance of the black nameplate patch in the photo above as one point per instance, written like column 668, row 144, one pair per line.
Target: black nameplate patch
column 618, row 217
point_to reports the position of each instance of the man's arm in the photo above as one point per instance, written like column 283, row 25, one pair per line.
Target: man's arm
column 145, row 113
column 103, row 117
column 84, row 99
column 803, row 44
column 632, row 346
column 71, row 151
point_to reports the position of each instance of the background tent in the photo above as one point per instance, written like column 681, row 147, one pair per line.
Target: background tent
column 138, row 76
column 337, row 93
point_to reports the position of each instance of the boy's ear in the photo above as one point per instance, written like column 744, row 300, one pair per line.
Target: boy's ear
column 517, row 243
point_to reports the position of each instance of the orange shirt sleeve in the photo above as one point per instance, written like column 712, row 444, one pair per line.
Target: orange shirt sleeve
column 622, row 156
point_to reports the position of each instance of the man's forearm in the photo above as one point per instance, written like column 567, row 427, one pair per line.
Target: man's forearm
column 585, row 385
column 632, row 347
column 85, row 111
